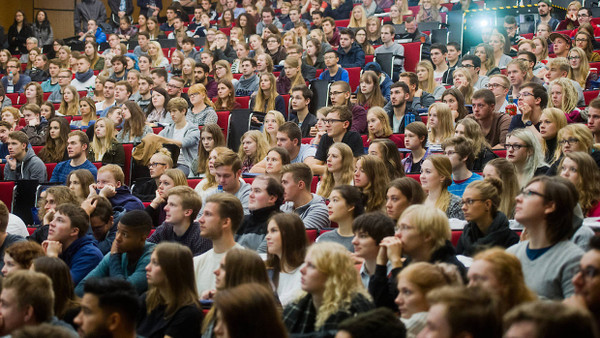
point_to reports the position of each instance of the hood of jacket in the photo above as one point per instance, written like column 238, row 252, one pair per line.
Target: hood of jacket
column 28, row 155
column 78, row 244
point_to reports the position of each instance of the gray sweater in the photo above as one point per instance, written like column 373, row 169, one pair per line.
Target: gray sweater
column 189, row 144
column 314, row 214
column 398, row 51
column 31, row 168
column 550, row 274
column 247, row 86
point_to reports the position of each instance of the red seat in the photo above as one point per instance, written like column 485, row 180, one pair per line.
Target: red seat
column 82, row 93
column 319, row 71
column 98, row 165
column 244, row 101
column 342, row 23
column 412, row 55
column 2, row 165
column 193, row 182
column 369, row 58
column 225, row 30
column 46, row 96
column 311, row 235
column 527, row 36
column 354, row 77
column 30, row 230
column 313, row 185
column 416, row 177
column 307, row 140
column 500, row 152
column 276, row 74
column 36, row 150
column 157, row 130
column 49, row 169
column 248, row 180
column 223, row 122
column 590, row 95
column 14, row 97
column 455, row 236
column 424, row 119
column 286, row 99
column 128, row 148
column 237, row 76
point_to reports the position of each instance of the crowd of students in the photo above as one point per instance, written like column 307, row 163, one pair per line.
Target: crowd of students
column 497, row 141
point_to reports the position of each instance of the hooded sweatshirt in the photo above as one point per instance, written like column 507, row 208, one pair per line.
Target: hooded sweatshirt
column 124, row 198
column 254, row 227
column 355, row 57
column 247, row 86
column 498, row 234
column 31, row 168
column 82, row 256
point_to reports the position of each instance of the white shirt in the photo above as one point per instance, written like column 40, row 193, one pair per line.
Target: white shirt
column 205, row 265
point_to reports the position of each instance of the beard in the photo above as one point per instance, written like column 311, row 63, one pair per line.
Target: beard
column 100, row 332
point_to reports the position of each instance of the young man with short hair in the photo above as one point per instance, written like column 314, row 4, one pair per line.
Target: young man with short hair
column 388, row 32
column 182, row 133
column 295, row 16
column 21, row 162
column 248, row 83
column 415, row 103
column 6, row 239
column 200, row 71
column 108, row 93
column 473, row 64
column 123, row 91
column 51, row 84
column 339, row 93
column 94, row 30
column 296, row 180
column 332, row 34
column 109, row 307
column 460, row 151
column 494, row 125
column 84, row 78
column 111, row 184
column 69, row 240
column 128, row 254
column 228, row 173
column 562, row 44
column 265, row 199
column 142, row 47
column 369, row 229
column 159, row 76
column 559, row 67
column 171, row 14
column 317, row 19
column 512, row 30
column 301, row 98
column 338, row 122
column 188, row 47
column 533, row 98
column 454, row 60
column 499, row 85
column 268, row 17
column 28, row 300
column 64, row 79
column 594, row 119
column 223, row 214
column 145, row 92
column 77, row 148
column 334, row 71
column 438, row 58
column 179, row 28
column 102, row 220
column 399, row 112
column 350, row 53
column 544, row 8
column 17, row 85
column 119, row 67
column 36, row 126
column 183, row 205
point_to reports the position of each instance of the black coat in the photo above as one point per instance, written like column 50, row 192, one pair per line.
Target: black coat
column 485, row 155
column 18, row 40
column 499, row 234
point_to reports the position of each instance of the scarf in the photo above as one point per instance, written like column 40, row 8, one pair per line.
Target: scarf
column 83, row 77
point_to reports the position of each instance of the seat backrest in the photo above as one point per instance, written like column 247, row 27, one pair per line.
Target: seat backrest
column 354, row 75
column 386, row 61
column 128, row 148
column 412, row 55
column 49, row 169
column 244, row 101
column 320, row 89
column 193, row 182
column 6, row 193
column 223, row 122
column 416, row 177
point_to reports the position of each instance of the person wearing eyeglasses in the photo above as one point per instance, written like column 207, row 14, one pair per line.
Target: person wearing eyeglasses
column 334, row 71
column 575, row 137
column 524, row 151
column 487, row 226
column 499, row 85
column 532, row 99
column 586, row 282
column 159, row 163
column 545, row 207
column 19, row 80
column 473, row 64
column 339, row 93
column 584, row 15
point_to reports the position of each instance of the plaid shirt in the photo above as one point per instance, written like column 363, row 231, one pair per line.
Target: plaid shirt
column 300, row 317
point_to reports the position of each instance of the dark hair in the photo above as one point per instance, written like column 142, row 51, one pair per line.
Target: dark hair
column 103, row 209
column 229, row 207
column 439, row 46
column 19, row 136
column 137, row 220
column 274, row 188
column 539, row 92
column 62, row 284
column 306, row 92
column 160, row 72
column 251, row 60
column 78, row 217
column 413, row 79
column 293, row 243
column 410, row 188
column 204, row 67
column 300, row 172
column 337, row 55
column 352, row 196
column 530, row 56
column 348, row 32
column 460, row 100
column 380, row 322
column 375, row 224
column 391, row 157
column 115, row 295
column 400, row 84
column 292, row 130
column 162, row 92
column 144, row 33
column 456, row 45
column 474, row 58
column 485, row 94
column 463, row 146
column 317, row 13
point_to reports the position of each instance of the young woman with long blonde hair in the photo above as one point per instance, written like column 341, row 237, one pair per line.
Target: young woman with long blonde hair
column 436, row 177
column 104, row 146
column 463, row 82
column 273, row 119
column 291, row 76
column 440, row 124
column 267, row 98
column 580, row 68
column 69, row 105
column 253, row 149
column 358, row 18
column 426, row 82
column 503, row 170
column 340, row 169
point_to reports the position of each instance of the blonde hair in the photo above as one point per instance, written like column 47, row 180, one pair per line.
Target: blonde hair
column 510, row 184
column 434, row 11
column 200, row 89
column 426, row 276
column 544, row 43
column 178, row 177
column 490, row 59
column 159, row 54
column 474, row 133
column 70, row 109
column 228, row 74
column 383, row 118
column 588, row 183
column 581, row 132
column 445, row 127
column 188, row 78
column 443, row 166
column 377, row 34
column 295, row 62
column 100, row 146
column 328, row 179
column 343, row 283
column 536, row 155
column 262, row 147
column 467, row 90
column 358, row 23
column 580, row 74
column 557, row 117
column 429, row 84
column 569, row 95
column 265, row 102
column 278, row 118
column 429, row 222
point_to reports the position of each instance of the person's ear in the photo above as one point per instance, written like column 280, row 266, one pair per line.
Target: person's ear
column 113, row 321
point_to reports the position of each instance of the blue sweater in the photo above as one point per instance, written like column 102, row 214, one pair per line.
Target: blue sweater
column 458, row 188
column 341, row 75
column 62, row 170
column 117, row 265
column 82, row 256
column 124, row 198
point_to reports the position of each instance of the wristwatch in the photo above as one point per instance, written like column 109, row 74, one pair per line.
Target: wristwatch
column 528, row 123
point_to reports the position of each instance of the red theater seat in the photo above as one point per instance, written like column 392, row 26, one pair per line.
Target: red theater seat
column 193, row 182
column 590, row 95
column 128, row 148
column 456, row 236
column 416, row 177
column 50, row 168
column 354, row 75
column 223, row 122
column 311, row 235
column 244, row 101
column 412, row 55
column 500, row 152
column 6, row 193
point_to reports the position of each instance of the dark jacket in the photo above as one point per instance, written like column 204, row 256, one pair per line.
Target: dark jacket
column 228, row 54
column 498, row 234
column 340, row 13
column 114, row 155
column 384, row 289
column 36, row 134
column 31, row 168
column 114, row 6
column 309, row 121
column 253, row 229
column 125, row 199
column 309, row 73
column 17, row 40
column 145, row 191
column 81, row 256
column 86, row 10
column 355, row 57
column 485, row 155
column 37, row 75
column 409, row 111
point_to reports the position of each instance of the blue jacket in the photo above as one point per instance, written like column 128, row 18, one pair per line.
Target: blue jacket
column 386, row 86
column 82, row 256
column 355, row 57
column 124, row 198
column 100, row 36
column 117, row 265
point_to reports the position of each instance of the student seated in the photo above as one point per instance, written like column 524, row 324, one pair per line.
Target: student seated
column 110, row 184
column 296, row 179
column 49, row 200
column 77, row 147
column 69, row 240
column 21, row 161
column 369, row 229
column 103, row 221
column 169, row 179
column 36, row 124
column 104, row 147
column 6, row 239
column 460, row 151
column 20, row 256
column 158, row 164
column 345, row 204
column 183, row 205
column 129, row 252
